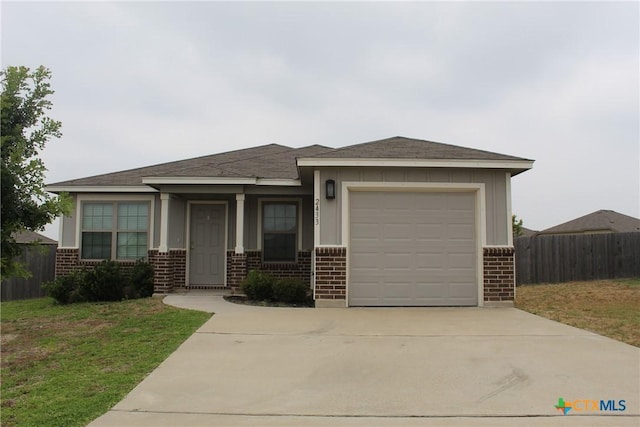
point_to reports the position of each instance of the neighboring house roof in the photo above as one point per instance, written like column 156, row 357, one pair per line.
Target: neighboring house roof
column 26, row 237
column 597, row 222
column 277, row 162
column 527, row 232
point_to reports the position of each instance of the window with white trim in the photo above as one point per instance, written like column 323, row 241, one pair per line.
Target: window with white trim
column 115, row 230
column 279, row 231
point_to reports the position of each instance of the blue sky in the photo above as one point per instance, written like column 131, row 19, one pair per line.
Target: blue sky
column 140, row 83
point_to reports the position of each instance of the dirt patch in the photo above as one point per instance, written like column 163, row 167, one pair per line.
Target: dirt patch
column 7, row 338
column 607, row 307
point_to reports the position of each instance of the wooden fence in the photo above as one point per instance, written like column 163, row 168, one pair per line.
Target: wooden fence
column 565, row 258
column 41, row 262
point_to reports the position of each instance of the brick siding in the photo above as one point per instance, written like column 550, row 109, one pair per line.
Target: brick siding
column 499, row 274
column 179, row 266
column 236, row 269
column 66, row 261
column 331, row 273
column 162, row 271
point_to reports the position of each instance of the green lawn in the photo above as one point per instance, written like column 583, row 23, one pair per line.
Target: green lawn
column 607, row 307
column 67, row 365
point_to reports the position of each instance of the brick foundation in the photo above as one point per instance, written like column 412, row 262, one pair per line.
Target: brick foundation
column 66, row 261
column 236, row 269
column 239, row 265
column 162, row 272
column 331, row 273
column 179, row 267
column 499, row 274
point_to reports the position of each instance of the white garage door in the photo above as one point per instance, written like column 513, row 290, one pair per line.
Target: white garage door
column 412, row 249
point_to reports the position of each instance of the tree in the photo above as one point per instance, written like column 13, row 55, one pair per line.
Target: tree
column 516, row 224
column 24, row 131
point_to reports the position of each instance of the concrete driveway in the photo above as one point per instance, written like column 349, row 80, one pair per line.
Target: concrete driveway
column 382, row 367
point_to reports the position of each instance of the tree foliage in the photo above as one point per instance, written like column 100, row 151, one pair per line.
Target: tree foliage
column 516, row 225
column 24, row 130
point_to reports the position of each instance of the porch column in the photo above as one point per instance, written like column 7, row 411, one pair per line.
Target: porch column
column 240, row 223
column 164, row 222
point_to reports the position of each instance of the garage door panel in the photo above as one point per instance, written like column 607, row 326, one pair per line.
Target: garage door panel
column 395, row 261
column 364, row 262
column 420, row 254
column 460, row 231
column 428, row 262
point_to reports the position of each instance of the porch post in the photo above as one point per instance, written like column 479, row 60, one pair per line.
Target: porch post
column 164, row 222
column 240, row 223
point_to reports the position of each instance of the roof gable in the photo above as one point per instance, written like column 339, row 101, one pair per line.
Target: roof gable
column 598, row 221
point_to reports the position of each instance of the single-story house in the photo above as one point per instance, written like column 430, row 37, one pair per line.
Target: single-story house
column 393, row 222
column 598, row 222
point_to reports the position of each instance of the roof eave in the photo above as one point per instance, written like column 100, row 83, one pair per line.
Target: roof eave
column 57, row 189
column 516, row 166
column 199, row 180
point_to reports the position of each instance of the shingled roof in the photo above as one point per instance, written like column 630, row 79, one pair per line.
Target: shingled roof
column 275, row 161
column 597, row 222
column 221, row 165
column 29, row 237
column 399, row 147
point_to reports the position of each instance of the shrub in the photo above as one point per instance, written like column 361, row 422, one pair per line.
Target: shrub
column 258, row 285
column 105, row 282
column 141, row 279
column 64, row 288
column 291, row 291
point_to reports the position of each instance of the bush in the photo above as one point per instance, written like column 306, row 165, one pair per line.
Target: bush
column 291, row 291
column 105, row 282
column 141, row 279
column 258, row 286
column 64, row 288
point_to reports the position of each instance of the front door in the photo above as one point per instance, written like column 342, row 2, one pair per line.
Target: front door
column 207, row 245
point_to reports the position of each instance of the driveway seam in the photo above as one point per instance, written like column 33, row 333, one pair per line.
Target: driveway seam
column 267, row 414
column 395, row 335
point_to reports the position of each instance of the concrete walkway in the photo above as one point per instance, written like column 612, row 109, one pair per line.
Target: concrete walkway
column 381, row 367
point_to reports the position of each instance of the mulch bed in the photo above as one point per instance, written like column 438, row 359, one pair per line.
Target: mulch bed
column 240, row 299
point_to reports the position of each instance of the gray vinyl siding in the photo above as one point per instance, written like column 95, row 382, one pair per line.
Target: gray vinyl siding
column 497, row 222
column 68, row 237
column 251, row 222
column 156, row 223
column 178, row 223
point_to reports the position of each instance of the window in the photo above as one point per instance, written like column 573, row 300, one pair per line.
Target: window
column 115, row 230
column 279, row 231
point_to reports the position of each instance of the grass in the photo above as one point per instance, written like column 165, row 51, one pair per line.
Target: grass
column 67, row 365
column 607, row 307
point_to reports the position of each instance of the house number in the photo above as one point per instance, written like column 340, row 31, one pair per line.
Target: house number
column 316, row 212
